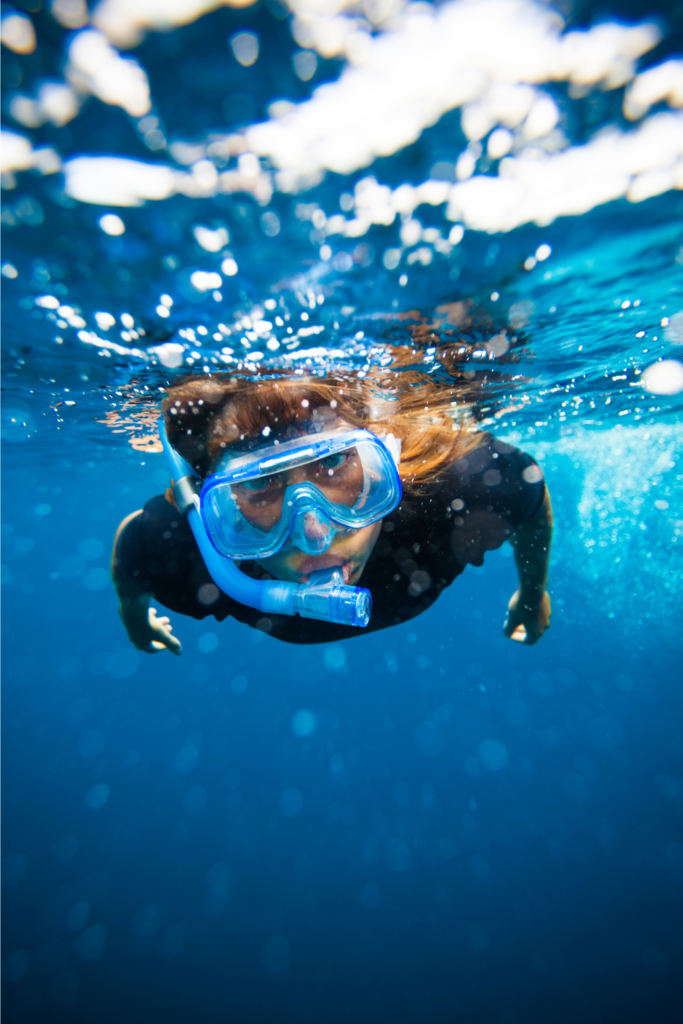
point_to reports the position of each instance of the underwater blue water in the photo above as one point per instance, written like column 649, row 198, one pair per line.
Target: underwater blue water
column 426, row 824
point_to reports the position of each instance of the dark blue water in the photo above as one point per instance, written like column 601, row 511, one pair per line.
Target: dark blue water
column 427, row 824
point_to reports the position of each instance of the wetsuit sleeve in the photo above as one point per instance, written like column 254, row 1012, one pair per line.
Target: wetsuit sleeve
column 157, row 551
column 491, row 492
column 501, row 478
column 129, row 553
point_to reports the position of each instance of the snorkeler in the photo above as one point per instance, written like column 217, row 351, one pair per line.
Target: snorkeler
column 326, row 496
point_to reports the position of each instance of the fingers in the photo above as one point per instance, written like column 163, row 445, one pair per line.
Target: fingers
column 534, row 634
column 512, row 624
column 162, row 643
column 165, row 637
column 522, row 633
column 160, row 620
column 162, row 630
column 174, row 646
column 167, row 641
column 150, row 648
column 157, row 620
column 526, row 623
column 156, row 647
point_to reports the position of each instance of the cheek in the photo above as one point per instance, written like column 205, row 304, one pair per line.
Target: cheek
column 364, row 540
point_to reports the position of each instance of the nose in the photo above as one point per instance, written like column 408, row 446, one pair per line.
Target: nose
column 313, row 528
column 312, row 532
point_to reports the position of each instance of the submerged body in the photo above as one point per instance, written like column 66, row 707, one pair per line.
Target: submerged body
column 492, row 494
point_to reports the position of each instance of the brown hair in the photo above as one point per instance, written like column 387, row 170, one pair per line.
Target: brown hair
column 205, row 415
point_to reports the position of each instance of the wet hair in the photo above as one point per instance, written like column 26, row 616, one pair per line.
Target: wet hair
column 205, row 415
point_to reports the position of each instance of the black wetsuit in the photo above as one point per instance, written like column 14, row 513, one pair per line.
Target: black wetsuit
column 425, row 543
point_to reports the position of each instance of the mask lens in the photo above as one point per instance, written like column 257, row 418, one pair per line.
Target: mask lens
column 339, row 476
column 260, row 500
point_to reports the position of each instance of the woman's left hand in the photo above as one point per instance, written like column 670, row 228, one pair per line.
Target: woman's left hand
column 528, row 617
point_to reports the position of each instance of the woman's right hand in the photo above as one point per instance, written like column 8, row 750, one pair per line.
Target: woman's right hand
column 146, row 630
column 528, row 617
column 152, row 633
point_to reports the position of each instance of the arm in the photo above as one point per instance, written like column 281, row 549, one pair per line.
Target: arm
column 529, row 608
column 146, row 631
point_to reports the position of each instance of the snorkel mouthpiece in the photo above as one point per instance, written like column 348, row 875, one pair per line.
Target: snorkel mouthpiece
column 325, row 597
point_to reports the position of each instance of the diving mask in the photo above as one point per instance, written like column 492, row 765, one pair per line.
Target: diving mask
column 300, row 493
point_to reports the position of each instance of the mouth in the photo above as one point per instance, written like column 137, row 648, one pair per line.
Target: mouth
column 324, row 562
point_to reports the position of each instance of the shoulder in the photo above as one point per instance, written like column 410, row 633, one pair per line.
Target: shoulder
column 148, row 535
column 497, row 476
column 158, row 511
column 159, row 554
column 489, row 452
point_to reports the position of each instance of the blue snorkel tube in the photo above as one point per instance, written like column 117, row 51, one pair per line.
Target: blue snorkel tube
column 326, row 597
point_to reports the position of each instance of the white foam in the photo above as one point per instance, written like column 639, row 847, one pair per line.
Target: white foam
column 117, row 181
column 205, row 280
column 663, row 82
column 169, row 354
column 70, row 13
column 457, row 54
column 112, row 224
column 96, row 67
column 488, row 57
column 16, row 152
column 209, row 240
column 126, row 22
column 55, row 102
column 537, row 187
column 17, row 33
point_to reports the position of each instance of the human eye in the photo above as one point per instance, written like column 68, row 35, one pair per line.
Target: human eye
column 333, row 462
column 259, row 484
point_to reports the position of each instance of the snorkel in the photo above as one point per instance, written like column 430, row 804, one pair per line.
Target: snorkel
column 325, row 597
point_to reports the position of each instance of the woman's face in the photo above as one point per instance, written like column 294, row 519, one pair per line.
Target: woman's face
column 341, row 478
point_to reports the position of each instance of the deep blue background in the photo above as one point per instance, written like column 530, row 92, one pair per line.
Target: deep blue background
column 414, row 884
